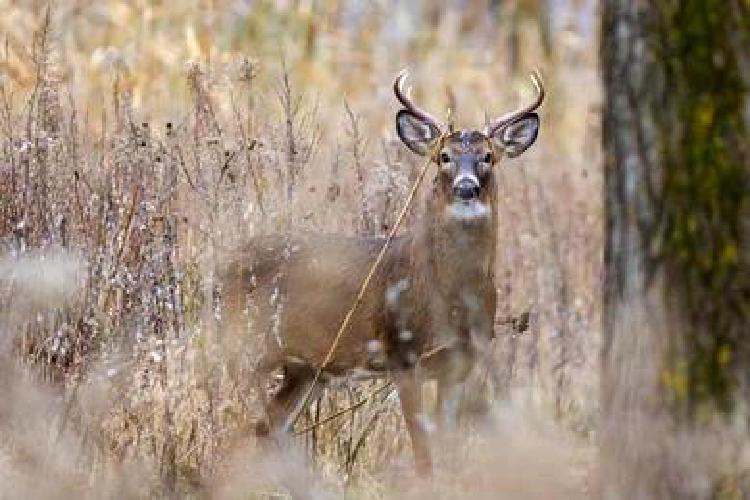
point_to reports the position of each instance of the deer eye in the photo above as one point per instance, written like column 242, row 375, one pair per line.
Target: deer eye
column 445, row 158
column 487, row 158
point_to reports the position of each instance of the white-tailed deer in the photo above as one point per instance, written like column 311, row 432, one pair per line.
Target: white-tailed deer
column 430, row 307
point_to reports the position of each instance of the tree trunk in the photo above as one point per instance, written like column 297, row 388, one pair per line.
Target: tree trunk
column 676, row 355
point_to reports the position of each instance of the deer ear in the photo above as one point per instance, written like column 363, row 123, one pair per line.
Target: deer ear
column 417, row 134
column 516, row 137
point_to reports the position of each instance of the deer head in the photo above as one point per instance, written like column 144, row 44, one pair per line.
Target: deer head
column 466, row 158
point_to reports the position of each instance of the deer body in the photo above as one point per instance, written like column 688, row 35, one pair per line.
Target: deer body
column 431, row 304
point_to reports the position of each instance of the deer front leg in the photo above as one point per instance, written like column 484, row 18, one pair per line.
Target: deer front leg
column 410, row 394
column 449, row 395
column 450, row 366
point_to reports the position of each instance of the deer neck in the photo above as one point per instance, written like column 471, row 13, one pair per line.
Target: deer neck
column 460, row 255
column 463, row 254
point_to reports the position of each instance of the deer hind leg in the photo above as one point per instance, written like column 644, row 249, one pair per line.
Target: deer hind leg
column 410, row 394
column 283, row 402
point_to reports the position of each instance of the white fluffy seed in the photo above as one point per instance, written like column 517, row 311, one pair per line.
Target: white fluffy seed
column 374, row 346
column 405, row 335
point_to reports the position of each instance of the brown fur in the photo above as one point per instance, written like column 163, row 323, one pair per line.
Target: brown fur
column 430, row 305
column 442, row 261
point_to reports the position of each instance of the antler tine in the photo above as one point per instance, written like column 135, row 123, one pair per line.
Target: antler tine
column 403, row 97
column 514, row 115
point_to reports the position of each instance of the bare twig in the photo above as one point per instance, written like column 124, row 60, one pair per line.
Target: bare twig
column 346, row 410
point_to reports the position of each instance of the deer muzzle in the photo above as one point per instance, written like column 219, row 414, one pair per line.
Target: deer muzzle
column 466, row 187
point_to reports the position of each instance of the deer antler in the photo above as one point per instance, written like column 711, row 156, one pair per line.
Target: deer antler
column 403, row 97
column 514, row 115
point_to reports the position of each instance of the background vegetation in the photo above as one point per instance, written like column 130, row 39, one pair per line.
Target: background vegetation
column 141, row 140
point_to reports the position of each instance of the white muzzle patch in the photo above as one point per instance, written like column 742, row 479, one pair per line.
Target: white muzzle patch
column 468, row 211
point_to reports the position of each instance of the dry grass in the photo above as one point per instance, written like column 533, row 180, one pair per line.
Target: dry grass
column 140, row 141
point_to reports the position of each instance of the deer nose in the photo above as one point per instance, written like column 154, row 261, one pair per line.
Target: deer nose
column 466, row 189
